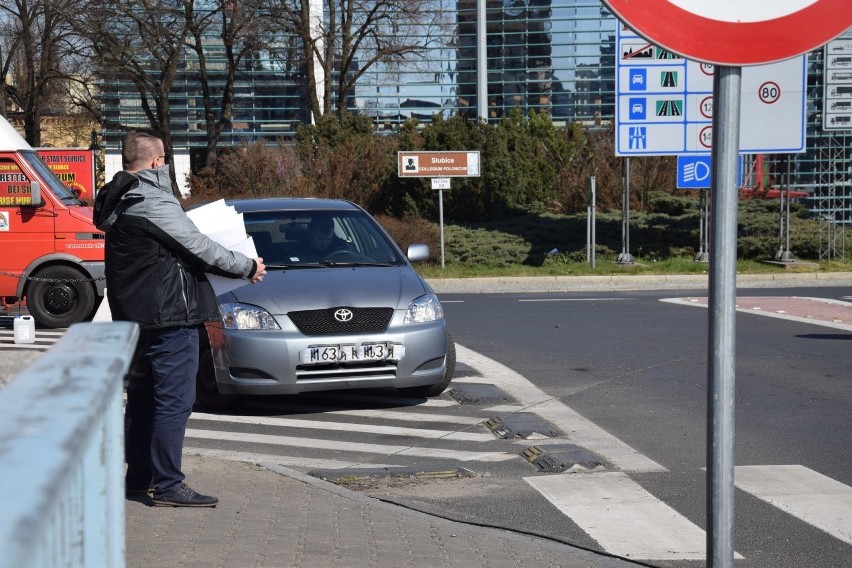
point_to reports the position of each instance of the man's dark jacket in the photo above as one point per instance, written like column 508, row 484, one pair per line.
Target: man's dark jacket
column 155, row 255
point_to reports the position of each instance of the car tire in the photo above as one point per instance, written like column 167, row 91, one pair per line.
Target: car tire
column 428, row 391
column 61, row 296
column 206, row 391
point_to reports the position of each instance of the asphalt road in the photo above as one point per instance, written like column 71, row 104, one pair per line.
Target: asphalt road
column 621, row 378
column 637, row 367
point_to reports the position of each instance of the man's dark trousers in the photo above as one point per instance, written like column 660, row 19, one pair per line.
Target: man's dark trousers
column 160, row 395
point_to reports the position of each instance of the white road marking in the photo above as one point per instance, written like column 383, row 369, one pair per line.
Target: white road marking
column 391, row 400
column 411, row 416
column 291, row 461
column 344, row 446
column 347, row 427
column 43, row 339
column 622, row 517
column 806, row 494
column 578, row 429
column 779, row 314
column 573, row 299
column 381, row 414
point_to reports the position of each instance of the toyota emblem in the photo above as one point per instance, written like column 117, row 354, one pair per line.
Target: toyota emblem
column 343, row 315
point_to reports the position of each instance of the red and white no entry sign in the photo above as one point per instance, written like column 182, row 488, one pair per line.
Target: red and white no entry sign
column 733, row 32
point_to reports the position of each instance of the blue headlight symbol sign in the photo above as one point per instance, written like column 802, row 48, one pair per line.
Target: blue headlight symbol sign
column 693, row 172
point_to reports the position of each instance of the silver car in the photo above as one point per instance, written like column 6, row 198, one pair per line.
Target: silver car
column 340, row 308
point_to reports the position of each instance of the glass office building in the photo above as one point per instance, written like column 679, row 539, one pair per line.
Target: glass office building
column 553, row 56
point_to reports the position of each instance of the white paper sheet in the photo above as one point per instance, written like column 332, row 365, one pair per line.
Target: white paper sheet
column 222, row 284
column 224, row 225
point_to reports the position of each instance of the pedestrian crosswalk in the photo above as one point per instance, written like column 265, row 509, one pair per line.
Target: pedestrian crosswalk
column 358, row 431
column 341, row 426
column 330, row 426
column 44, row 339
column 623, row 517
column 806, row 494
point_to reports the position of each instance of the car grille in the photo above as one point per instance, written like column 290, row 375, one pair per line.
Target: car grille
column 350, row 372
column 323, row 322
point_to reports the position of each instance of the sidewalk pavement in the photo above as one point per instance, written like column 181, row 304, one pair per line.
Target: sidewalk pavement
column 271, row 516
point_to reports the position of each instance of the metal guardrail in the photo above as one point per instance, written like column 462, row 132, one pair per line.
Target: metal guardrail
column 62, row 452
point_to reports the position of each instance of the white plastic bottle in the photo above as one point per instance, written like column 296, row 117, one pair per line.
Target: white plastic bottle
column 24, row 327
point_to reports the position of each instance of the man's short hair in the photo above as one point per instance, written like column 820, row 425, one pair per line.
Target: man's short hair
column 139, row 146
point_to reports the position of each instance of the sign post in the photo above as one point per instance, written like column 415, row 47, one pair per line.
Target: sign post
column 440, row 166
column 441, row 184
column 591, row 198
column 729, row 34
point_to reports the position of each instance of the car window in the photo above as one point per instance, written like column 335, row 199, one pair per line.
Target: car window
column 310, row 237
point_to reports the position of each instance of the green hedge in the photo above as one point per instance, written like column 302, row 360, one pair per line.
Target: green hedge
column 529, row 200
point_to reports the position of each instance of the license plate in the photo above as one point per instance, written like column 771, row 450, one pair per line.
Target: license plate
column 322, row 354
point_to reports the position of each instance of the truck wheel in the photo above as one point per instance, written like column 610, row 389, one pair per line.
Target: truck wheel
column 68, row 300
column 206, row 392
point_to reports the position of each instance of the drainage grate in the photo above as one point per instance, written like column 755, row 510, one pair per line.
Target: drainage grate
column 353, row 475
column 478, row 393
column 564, row 457
column 521, row 425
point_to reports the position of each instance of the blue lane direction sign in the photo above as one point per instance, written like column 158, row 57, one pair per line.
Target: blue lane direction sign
column 664, row 103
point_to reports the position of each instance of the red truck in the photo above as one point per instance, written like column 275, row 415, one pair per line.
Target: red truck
column 52, row 255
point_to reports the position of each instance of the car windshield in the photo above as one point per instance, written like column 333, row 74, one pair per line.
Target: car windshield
column 320, row 238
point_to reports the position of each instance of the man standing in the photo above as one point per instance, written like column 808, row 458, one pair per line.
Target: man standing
column 155, row 264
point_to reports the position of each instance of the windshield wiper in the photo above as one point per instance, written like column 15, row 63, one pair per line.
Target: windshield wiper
column 293, row 265
column 351, row 263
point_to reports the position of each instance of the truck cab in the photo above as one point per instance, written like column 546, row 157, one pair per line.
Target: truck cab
column 53, row 256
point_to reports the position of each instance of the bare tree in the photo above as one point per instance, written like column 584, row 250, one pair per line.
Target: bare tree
column 240, row 31
column 36, row 38
column 142, row 42
column 352, row 37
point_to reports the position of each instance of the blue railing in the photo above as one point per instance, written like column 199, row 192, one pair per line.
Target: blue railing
column 62, row 452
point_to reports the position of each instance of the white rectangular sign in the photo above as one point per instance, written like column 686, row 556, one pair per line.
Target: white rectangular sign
column 440, row 183
column 837, row 89
column 664, row 103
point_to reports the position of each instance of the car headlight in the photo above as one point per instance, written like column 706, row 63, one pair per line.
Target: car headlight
column 423, row 309
column 246, row 316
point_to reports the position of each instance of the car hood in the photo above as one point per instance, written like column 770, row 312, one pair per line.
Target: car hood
column 283, row 291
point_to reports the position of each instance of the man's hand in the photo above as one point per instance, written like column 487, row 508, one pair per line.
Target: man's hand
column 260, row 272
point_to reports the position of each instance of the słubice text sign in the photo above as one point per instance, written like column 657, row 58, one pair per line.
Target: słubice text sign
column 438, row 164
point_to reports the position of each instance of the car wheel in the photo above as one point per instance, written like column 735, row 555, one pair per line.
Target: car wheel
column 59, row 296
column 206, row 391
column 434, row 390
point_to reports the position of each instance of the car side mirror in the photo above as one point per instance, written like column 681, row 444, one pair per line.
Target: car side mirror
column 417, row 252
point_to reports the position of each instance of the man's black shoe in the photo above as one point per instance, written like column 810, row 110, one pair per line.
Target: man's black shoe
column 184, row 496
column 138, row 492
